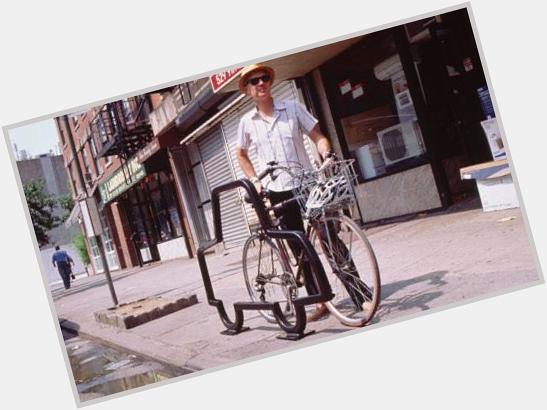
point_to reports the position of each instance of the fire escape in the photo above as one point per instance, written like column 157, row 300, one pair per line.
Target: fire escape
column 123, row 128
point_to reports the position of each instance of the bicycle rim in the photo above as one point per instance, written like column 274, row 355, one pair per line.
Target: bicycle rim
column 351, row 268
column 268, row 278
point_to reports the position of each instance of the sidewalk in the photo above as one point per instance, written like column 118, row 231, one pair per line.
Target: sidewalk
column 425, row 263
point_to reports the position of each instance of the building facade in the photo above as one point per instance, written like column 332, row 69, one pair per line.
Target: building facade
column 405, row 102
column 140, row 214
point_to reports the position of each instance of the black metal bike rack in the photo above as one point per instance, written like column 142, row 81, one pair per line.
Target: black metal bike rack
column 295, row 330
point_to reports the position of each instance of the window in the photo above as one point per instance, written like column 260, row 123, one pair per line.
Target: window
column 127, row 110
column 75, row 120
column 60, row 127
column 186, row 93
column 87, row 165
column 369, row 96
column 102, row 131
column 95, row 255
column 75, row 189
column 152, row 210
column 96, row 161
column 165, row 208
column 108, row 242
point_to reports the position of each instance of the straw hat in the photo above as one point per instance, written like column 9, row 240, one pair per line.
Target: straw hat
column 247, row 71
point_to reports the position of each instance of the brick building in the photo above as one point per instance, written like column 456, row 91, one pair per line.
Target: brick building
column 103, row 150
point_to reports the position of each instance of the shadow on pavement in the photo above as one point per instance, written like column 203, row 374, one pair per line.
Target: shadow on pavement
column 464, row 205
column 419, row 299
column 69, row 329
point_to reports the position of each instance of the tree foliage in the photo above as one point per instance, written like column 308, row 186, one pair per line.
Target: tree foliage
column 40, row 206
column 66, row 203
column 79, row 244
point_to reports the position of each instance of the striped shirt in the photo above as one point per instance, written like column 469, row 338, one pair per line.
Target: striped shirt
column 280, row 139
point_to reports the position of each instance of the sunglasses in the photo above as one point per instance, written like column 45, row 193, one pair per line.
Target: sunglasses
column 265, row 79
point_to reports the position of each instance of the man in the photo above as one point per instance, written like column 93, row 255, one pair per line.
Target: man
column 277, row 130
column 62, row 260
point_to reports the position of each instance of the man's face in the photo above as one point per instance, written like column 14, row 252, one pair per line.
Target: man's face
column 259, row 85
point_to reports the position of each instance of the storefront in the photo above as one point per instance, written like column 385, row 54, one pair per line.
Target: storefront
column 405, row 102
column 147, row 214
column 207, row 158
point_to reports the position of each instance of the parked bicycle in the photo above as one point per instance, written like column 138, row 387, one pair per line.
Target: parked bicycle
column 273, row 273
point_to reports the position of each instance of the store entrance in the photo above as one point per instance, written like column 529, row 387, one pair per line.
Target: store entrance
column 454, row 90
column 371, row 101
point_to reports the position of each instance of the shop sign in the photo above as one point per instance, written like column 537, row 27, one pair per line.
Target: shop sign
column 493, row 135
column 468, row 64
column 357, row 91
column 344, row 87
column 486, row 102
column 150, row 149
column 121, row 180
column 221, row 79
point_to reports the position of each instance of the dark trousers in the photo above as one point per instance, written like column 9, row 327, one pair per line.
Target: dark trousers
column 292, row 220
column 65, row 271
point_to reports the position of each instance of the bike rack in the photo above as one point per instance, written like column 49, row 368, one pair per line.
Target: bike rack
column 293, row 331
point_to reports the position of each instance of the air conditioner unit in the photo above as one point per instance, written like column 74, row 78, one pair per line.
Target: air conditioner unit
column 388, row 68
column 401, row 141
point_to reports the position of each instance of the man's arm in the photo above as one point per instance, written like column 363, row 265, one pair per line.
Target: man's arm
column 320, row 140
column 247, row 167
column 245, row 163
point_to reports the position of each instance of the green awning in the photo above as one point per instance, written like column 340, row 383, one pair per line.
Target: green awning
column 121, row 180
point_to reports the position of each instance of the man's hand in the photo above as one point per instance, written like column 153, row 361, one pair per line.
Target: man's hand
column 258, row 185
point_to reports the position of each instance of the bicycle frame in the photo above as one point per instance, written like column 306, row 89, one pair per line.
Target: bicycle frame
column 293, row 331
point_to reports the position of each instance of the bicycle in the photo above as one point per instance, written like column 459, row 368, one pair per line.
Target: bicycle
column 292, row 322
column 326, row 197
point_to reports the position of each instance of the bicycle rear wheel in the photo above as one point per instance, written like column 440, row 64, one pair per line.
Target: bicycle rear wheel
column 268, row 277
column 351, row 267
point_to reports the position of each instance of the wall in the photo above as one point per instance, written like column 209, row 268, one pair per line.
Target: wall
column 50, row 169
column 398, row 194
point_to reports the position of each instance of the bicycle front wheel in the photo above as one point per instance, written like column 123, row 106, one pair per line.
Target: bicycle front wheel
column 268, row 277
column 351, row 268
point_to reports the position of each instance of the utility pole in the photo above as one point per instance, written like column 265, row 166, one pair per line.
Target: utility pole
column 90, row 213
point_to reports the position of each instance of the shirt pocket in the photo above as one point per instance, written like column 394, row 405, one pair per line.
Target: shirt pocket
column 290, row 146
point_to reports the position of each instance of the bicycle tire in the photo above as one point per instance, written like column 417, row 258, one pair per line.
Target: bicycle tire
column 269, row 286
column 359, row 275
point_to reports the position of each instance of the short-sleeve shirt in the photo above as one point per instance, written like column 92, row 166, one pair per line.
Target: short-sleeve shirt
column 61, row 256
column 280, row 140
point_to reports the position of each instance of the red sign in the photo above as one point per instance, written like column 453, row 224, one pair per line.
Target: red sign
column 219, row 80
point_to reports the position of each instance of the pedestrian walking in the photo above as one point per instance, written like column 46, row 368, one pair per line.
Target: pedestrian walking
column 276, row 128
column 62, row 260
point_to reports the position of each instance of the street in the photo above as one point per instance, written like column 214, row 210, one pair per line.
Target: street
column 101, row 370
column 426, row 263
column 53, row 276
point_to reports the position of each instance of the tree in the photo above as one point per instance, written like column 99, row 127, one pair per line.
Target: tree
column 79, row 244
column 66, row 203
column 40, row 206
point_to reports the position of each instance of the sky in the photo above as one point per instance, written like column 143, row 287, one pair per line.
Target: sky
column 36, row 138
